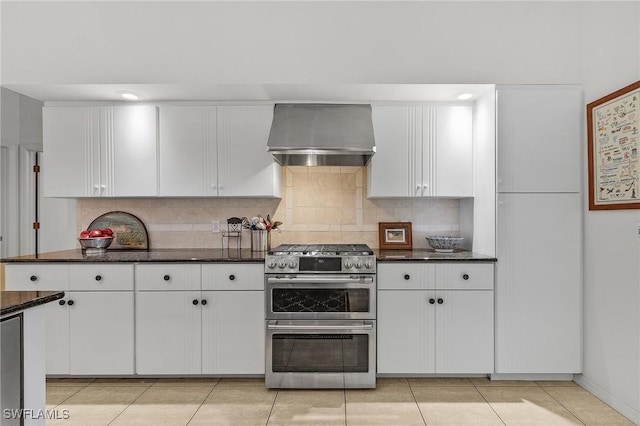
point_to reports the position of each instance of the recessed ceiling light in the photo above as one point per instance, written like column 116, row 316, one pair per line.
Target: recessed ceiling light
column 465, row 96
column 129, row 96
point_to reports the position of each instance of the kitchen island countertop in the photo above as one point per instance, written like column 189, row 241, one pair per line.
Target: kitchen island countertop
column 14, row 301
column 201, row 255
column 430, row 255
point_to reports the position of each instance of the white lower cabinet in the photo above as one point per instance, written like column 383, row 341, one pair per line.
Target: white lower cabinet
column 90, row 330
column 424, row 327
column 195, row 330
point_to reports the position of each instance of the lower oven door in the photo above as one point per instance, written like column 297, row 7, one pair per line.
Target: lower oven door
column 320, row 354
column 316, row 297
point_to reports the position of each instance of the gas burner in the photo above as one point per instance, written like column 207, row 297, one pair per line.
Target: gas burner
column 322, row 250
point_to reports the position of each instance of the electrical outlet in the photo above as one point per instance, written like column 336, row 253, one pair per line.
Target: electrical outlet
column 215, row 226
column 638, row 231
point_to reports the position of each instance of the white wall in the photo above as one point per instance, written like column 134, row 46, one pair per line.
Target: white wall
column 596, row 44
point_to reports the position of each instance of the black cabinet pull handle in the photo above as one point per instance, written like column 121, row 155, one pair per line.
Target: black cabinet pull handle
column 465, row 277
column 432, row 301
column 167, row 277
column 98, row 277
column 407, row 276
column 204, row 302
column 33, row 278
column 440, row 301
column 61, row 302
column 232, row 277
column 195, row 302
column 71, row 302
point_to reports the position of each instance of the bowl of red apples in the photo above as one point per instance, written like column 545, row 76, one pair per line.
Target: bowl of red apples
column 96, row 239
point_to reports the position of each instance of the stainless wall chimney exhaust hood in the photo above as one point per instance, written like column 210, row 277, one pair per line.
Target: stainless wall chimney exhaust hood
column 322, row 134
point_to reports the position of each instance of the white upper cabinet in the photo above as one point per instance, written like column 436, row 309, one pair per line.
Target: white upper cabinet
column 216, row 151
column 100, row 151
column 188, row 151
column 422, row 151
column 539, row 137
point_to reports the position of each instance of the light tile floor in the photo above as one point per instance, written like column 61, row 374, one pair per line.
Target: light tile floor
column 433, row 401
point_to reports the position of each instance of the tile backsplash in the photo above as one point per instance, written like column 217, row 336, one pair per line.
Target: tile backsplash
column 319, row 205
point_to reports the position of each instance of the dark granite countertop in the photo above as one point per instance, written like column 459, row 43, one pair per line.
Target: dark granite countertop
column 430, row 255
column 156, row 255
column 14, row 301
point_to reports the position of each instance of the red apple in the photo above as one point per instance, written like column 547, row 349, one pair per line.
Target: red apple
column 84, row 234
column 96, row 233
column 107, row 232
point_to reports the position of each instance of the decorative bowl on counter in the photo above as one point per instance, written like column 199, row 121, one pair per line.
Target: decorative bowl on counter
column 99, row 243
column 444, row 244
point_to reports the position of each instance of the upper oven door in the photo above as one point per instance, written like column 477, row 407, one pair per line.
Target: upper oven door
column 297, row 296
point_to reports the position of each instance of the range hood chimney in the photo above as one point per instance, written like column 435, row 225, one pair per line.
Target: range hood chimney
column 322, row 134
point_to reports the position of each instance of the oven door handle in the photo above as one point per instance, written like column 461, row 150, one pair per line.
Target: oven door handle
column 319, row 327
column 320, row 280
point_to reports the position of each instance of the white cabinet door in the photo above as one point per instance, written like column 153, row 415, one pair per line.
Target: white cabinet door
column 188, row 151
column 453, row 174
column 71, row 137
column 391, row 172
column 168, row 332
column 422, row 151
column 57, row 342
column 101, row 333
column 539, row 138
column 406, row 332
column 245, row 168
column 538, row 283
column 131, row 151
column 100, row 151
column 233, row 332
column 464, row 332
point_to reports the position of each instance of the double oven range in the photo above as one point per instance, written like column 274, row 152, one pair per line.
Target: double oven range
column 320, row 316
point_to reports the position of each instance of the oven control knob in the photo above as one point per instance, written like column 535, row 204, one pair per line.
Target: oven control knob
column 282, row 264
column 293, row 263
column 368, row 264
column 348, row 264
column 358, row 265
column 272, row 264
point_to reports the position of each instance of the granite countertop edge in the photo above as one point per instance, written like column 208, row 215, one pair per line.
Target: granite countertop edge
column 229, row 256
column 16, row 301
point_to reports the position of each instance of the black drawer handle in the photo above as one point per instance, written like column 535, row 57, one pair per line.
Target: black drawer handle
column 195, row 302
column 167, row 277
column 98, row 277
column 33, row 278
column 440, row 301
column 465, row 277
column 407, row 276
column 61, row 302
column 432, row 301
column 232, row 277
column 204, row 302
column 71, row 302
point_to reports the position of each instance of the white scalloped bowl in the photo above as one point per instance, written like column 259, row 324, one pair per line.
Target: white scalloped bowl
column 443, row 244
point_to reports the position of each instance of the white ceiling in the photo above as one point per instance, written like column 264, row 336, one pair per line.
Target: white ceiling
column 253, row 92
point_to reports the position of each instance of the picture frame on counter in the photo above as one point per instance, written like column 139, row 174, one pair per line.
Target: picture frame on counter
column 395, row 236
column 613, row 136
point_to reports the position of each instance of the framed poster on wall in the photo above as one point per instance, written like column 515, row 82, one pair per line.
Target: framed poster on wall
column 613, row 128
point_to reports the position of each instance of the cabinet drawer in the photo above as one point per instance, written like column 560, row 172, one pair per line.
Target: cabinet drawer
column 406, row 275
column 167, row 277
column 37, row 277
column 464, row 276
column 104, row 276
column 233, row 276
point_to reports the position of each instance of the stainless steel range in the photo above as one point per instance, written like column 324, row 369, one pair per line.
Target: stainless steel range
column 320, row 316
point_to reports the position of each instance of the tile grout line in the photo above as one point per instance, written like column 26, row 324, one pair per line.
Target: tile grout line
column 344, row 399
column 202, row 403
column 73, row 394
column 273, row 404
column 489, row 404
column 129, row 405
column 416, row 402
column 563, row 406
